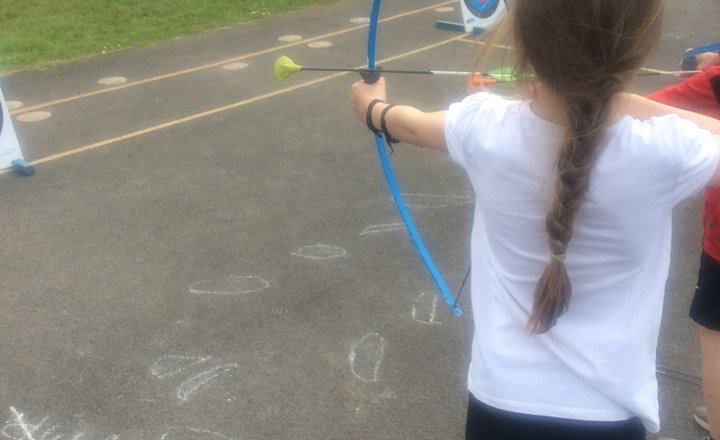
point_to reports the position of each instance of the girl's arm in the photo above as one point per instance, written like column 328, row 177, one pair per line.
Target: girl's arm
column 404, row 123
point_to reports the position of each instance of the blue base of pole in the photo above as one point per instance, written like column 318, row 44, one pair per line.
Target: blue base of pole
column 456, row 27
column 23, row 168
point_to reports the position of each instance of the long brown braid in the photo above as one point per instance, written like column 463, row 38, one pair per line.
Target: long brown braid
column 585, row 52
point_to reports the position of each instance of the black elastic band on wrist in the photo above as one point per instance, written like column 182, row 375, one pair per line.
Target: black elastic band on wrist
column 383, row 126
column 368, row 116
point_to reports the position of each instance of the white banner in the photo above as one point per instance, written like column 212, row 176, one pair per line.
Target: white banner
column 9, row 145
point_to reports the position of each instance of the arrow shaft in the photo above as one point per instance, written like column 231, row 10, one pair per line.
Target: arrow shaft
column 409, row 72
column 645, row 72
column 649, row 72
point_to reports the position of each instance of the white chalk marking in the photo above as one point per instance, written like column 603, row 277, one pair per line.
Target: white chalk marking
column 21, row 423
column 416, row 200
column 290, row 38
column 424, row 308
column 204, row 433
column 24, row 427
column 444, row 9
column 278, row 311
column 233, row 285
column 34, row 116
column 112, row 81
column 320, row 252
column 366, row 357
column 379, row 229
column 385, row 395
column 50, row 431
column 20, row 429
column 13, row 105
column 236, row 66
column 190, row 386
column 373, row 398
column 172, row 364
column 267, row 357
column 320, row 44
column 360, row 20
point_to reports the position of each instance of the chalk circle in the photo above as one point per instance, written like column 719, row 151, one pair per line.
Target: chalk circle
column 236, row 66
column 13, row 105
column 360, row 20
column 34, row 116
column 232, row 285
column 112, row 81
column 444, row 9
column 320, row 44
column 366, row 357
column 290, row 38
column 319, row 252
column 379, row 229
column 424, row 309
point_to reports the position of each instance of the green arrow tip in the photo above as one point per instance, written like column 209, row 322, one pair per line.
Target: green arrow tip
column 284, row 67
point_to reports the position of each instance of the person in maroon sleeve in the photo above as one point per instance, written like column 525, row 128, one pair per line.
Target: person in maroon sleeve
column 701, row 93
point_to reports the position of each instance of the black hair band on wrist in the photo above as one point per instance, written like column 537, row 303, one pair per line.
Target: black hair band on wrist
column 368, row 115
column 383, row 125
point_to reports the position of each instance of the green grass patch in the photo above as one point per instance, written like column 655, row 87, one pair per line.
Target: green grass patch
column 41, row 33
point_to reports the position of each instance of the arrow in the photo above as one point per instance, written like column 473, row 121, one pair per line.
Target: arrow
column 285, row 67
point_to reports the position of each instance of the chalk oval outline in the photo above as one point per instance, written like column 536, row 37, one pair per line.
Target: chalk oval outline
column 383, row 228
column 320, row 252
column 371, row 347
column 232, row 279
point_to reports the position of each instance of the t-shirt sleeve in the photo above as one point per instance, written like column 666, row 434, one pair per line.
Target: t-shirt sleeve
column 462, row 120
column 693, row 151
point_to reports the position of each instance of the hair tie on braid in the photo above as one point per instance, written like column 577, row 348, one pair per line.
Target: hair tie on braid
column 558, row 258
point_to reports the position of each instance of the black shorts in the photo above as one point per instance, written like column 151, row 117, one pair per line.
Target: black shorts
column 705, row 308
column 487, row 423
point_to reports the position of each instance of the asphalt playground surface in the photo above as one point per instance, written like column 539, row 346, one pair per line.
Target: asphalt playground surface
column 206, row 253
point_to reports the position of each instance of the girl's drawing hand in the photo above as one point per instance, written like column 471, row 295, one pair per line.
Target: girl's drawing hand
column 362, row 95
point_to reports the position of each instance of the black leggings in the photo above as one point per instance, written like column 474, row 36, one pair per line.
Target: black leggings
column 705, row 308
column 487, row 423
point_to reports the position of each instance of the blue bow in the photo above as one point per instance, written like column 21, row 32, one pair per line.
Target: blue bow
column 392, row 183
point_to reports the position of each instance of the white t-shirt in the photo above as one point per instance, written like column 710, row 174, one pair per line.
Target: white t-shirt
column 598, row 362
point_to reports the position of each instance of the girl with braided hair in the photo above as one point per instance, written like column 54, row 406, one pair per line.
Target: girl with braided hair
column 575, row 186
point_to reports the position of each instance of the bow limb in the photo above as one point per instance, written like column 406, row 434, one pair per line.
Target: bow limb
column 392, row 182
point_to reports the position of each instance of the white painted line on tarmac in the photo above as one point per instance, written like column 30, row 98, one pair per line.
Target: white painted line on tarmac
column 222, row 62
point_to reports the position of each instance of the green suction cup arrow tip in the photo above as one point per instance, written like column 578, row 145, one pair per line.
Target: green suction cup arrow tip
column 285, row 67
